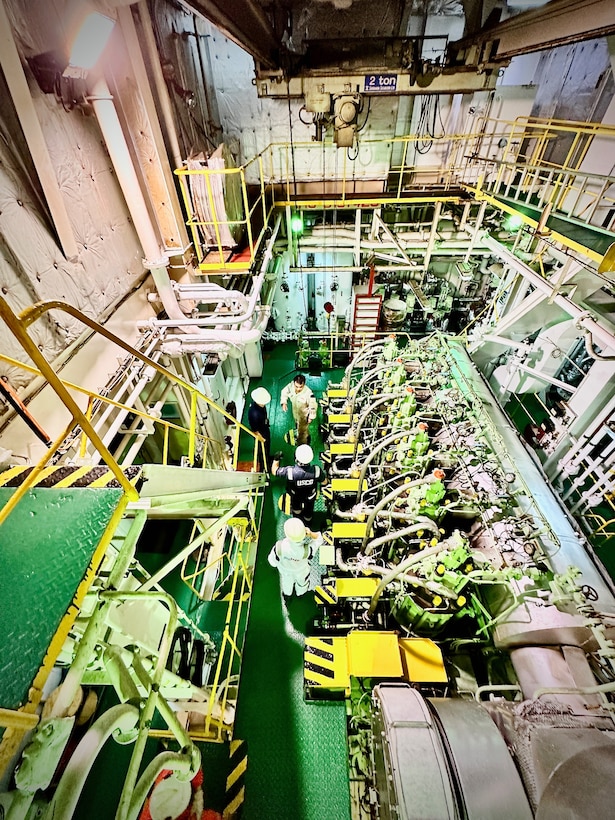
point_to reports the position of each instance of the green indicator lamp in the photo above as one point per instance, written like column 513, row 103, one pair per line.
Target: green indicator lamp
column 513, row 223
column 296, row 224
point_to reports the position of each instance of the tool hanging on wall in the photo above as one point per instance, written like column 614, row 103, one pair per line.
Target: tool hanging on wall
column 13, row 399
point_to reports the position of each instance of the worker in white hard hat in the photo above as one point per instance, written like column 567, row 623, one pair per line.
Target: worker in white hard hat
column 303, row 405
column 302, row 480
column 292, row 554
column 258, row 421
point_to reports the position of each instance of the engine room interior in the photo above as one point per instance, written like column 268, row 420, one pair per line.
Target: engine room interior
column 307, row 409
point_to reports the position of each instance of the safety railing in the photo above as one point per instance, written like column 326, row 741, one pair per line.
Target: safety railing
column 603, row 528
column 547, row 164
column 78, row 418
column 207, row 570
column 390, row 171
column 387, row 170
column 226, row 675
column 330, row 350
column 213, row 720
column 225, row 241
column 150, row 424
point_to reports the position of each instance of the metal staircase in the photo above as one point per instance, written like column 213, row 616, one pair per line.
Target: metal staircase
column 365, row 319
column 91, row 614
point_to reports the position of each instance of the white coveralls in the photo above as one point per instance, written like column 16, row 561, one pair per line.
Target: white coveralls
column 292, row 558
column 304, row 407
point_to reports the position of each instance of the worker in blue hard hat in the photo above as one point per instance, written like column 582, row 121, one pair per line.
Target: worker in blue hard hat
column 292, row 554
column 302, row 480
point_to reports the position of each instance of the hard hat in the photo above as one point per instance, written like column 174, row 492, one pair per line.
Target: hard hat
column 261, row 396
column 294, row 529
column 304, row 454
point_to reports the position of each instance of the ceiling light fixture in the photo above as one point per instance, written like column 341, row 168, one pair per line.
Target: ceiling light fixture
column 67, row 82
column 89, row 45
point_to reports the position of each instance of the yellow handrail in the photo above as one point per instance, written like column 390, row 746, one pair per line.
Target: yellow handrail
column 497, row 151
column 18, row 324
column 94, row 397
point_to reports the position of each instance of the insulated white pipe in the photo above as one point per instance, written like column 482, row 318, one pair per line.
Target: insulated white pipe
column 137, row 370
column 531, row 371
column 222, row 349
column 222, row 318
column 121, row 416
column 242, row 336
column 139, row 430
column 144, row 377
column 108, row 120
column 208, row 292
column 116, row 720
column 501, row 340
column 115, row 142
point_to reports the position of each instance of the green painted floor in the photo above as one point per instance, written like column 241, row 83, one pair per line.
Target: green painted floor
column 48, row 542
column 297, row 760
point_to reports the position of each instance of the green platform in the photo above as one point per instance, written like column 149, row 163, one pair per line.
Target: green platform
column 590, row 237
column 46, row 547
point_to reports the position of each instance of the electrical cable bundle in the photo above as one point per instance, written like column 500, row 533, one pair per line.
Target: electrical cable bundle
column 430, row 117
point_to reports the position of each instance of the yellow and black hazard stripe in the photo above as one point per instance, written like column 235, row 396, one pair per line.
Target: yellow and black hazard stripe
column 235, row 781
column 284, row 504
column 319, row 660
column 326, row 594
column 325, row 663
column 291, row 437
column 59, row 477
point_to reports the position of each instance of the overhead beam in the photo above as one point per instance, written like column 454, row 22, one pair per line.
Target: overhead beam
column 557, row 23
column 461, row 80
column 244, row 22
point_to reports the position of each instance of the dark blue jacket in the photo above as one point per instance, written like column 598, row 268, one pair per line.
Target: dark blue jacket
column 302, row 482
column 258, row 422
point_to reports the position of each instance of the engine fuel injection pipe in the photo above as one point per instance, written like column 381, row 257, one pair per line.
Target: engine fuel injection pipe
column 398, row 570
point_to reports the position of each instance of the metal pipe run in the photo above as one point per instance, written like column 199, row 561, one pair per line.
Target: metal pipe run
column 582, row 317
column 426, row 522
column 373, row 453
column 398, row 570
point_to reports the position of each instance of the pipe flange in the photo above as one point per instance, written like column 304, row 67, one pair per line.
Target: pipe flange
column 578, row 322
column 151, row 264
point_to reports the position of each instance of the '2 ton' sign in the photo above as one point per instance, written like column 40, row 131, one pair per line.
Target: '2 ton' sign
column 380, row 82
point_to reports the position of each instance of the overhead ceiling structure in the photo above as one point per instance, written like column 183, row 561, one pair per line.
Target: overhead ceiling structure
column 552, row 24
column 397, row 46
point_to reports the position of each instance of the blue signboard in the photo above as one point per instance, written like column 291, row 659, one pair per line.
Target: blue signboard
column 380, row 82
